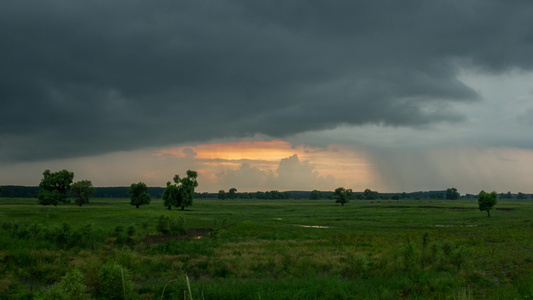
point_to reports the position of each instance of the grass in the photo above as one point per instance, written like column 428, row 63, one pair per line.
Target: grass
column 273, row 249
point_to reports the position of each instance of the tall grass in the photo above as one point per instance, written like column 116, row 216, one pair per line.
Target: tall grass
column 269, row 249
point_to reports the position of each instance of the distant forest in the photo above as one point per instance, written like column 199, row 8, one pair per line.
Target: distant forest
column 15, row 191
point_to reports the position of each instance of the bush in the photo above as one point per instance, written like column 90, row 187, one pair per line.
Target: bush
column 410, row 256
column 114, row 282
column 70, row 287
column 163, row 225
column 166, row 226
column 131, row 230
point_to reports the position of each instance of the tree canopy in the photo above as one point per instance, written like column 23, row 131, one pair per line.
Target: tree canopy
column 368, row 194
column 315, row 195
column 487, row 201
column 452, row 194
column 54, row 186
column 342, row 195
column 181, row 193
column 232, row 193
column 82, row 190
column 139, row 194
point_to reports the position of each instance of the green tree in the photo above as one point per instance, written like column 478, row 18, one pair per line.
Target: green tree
column 342, row 195
column 82, row 190
column 171, row 195
column 188, row 184
column 232, row 193
column 54, row 186
column 370, row 195
column 181, row 193
column 487, row 201
column 315, row 195
column 139, row 194
column 221, row 195
column 452, row 194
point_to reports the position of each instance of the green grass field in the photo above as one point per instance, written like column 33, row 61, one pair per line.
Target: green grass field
column 267, row 249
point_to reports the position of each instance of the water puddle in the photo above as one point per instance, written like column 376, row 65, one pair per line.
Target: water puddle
column 312, row 226
column 455, row 225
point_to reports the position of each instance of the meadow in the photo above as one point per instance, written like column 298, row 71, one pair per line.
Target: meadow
column 266, row 249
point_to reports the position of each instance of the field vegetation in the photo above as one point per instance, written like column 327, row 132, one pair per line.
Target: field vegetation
column 266, row 249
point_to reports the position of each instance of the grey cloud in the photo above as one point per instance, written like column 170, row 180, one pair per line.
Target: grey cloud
column 246, row 177
column 526, row 118
column 290, row 174
column 82, row 78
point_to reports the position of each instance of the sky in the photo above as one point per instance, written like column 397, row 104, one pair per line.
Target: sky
column 269, row 95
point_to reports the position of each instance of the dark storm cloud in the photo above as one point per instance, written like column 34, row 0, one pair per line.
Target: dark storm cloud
column 81, row 78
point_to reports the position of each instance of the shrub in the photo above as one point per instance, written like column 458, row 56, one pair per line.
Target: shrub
column 178, row 226
column 410, row 256
column 163, row 225
column 114, row 282
column 131, row 230
column 70, row 287
column 167, row 226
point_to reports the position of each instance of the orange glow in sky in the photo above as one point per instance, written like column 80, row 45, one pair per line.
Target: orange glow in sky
column 348, row 166
column 259, row 150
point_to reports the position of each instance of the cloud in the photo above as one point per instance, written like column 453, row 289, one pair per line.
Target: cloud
column 291, row 174
column 87, row 78
column 246, row 178
column 470, row 170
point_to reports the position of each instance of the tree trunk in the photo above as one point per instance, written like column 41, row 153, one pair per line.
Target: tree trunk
column 137, row 205
column 183, row 208
column 169, row 207
column 488, row 212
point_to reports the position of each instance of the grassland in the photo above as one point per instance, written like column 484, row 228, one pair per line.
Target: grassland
column 269, row 249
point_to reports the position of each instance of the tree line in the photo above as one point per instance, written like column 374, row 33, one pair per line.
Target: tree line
column 57, row 188
column 16, row 191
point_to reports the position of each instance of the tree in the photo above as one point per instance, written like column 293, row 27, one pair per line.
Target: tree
column 231, row 193
column 221, row 195
column 315, row 195
column 82, row 190
column 139, row 194
column 171, row 195
column 342, row 195
column 452, row 194
column 487, row 201
column 54, row 186
column 181, row 193
column 188, row 184
column 370, row 195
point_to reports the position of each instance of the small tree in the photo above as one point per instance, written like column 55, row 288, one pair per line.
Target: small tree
column 452, row 194
column 342, row 195
column 82, row 190
column 315, row 195
column 181, row 193
column 368, row 194
column 188, row 184
column 171, row 195
column 232, row 193
column 487, row 201
column 54, row 186
column 139, row 194
column 221, row 195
